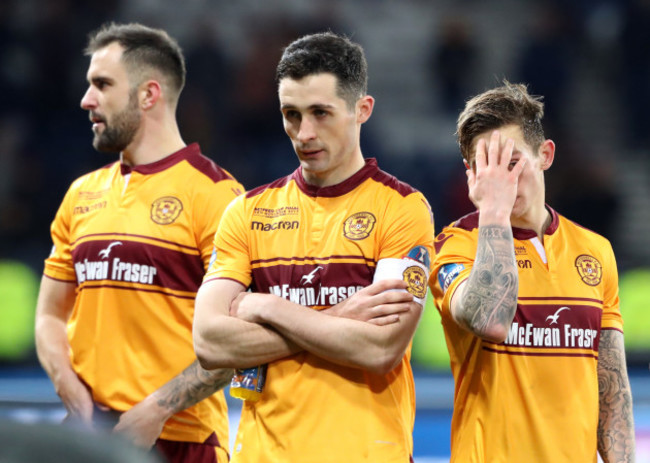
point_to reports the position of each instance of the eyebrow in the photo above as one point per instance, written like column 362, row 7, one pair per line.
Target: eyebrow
column 313, row 106
column 97, row 79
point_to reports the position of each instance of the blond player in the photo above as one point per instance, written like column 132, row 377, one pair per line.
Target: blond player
column 131, row 244
column 308, row 246
column 529, row 305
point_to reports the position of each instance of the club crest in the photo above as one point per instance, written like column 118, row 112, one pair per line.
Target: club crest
column 589, row 269
column 416, row 279
column 165, row 210
column 358, row 226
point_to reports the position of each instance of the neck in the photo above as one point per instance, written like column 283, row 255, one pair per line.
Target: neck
column 537, row 220
column 155, row 140
column 333, row 177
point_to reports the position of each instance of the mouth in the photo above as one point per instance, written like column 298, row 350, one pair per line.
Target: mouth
column 310, row 152
column 97, row 122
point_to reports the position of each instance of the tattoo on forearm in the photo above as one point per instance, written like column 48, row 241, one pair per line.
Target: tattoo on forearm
column 193, row 385
column 490, row 296
column 615, row 417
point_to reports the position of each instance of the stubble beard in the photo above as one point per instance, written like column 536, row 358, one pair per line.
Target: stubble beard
column 117, row 136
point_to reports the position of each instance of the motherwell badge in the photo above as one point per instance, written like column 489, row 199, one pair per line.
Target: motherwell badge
column 166, row 209
column 358, row 226
column 589, row 269
column 416, row 279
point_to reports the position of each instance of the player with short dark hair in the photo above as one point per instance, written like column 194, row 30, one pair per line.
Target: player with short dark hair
column 309, row 246
column 132, row 242
column 529, row 304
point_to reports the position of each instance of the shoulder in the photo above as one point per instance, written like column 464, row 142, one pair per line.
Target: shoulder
column 458, row 238
column 95, row 178
column 269, row 187
column 207, row 168
column 467, row 223
column 393, row 184
column 584, row 238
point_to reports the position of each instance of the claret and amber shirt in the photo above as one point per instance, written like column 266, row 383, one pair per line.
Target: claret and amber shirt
column 316, row 247
column 136, row 242
column 533, row 397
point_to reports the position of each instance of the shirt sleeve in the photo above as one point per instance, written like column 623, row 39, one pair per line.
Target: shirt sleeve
column 209, row 205
column 59, row 265
column 409, row 226
column 611, row 318
column 455, row 254
column 231, row 255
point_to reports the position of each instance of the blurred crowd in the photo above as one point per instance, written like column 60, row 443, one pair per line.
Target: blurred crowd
column 229, row 104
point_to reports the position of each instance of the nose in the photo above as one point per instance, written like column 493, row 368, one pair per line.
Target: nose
column 306, row 131
column 88, row 101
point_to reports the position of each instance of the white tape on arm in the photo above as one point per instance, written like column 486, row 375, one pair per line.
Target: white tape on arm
column 413, row 272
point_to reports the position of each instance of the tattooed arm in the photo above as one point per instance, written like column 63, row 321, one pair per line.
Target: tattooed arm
column 486, row 302
column 615, row 419
column 143, row 423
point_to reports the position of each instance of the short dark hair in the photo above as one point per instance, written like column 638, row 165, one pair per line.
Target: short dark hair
column 327, row 52
column 144, row 47
column 504, row 105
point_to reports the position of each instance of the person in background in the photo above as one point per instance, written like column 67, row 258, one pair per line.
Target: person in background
column 529, row 304
column 318, row 249
column 132, row 242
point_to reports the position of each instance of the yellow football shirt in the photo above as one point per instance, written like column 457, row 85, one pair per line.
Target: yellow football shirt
column 316, row 247
column 533, row 397
column 136, row 241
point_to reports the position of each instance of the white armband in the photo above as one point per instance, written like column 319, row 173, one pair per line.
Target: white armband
column 413, row 272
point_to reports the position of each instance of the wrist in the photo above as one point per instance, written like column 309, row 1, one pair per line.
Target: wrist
column 494, row 217
column 61, row 376
column 159, row 407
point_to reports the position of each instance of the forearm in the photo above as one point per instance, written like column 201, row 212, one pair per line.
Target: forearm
column 55, row 302
column 616, row 441
column 344, row 341
column 228, row 342
column 489, row 300
column 224, row 341
column 53, row 348
column 190, row 387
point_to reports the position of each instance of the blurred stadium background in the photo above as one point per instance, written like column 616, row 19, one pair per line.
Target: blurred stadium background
column 587, row 57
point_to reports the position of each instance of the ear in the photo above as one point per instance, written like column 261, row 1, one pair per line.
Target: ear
column 364, row 108
column 547, row 154
column 149, row 93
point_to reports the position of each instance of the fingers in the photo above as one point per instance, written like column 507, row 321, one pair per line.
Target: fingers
column 494, row 149
column 385, row 320
column 387, row 314
column 384, row 285
column 506, row 153
column 390, row 309
column 519, row 167
column 480, row 158
column 495, row 152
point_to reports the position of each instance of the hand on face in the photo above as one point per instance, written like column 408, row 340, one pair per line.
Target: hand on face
column 493, row 181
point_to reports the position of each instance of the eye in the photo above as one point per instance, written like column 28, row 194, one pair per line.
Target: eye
column 100, row 84
column 291, row 114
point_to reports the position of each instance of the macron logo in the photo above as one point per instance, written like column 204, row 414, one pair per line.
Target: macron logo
column 555, row 316
column 307, row 279
column 104, row 253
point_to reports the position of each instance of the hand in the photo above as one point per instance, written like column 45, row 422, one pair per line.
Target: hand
column 248, row 306
column 379, row 304
column 493, row 183
column 76, row 398
column 142, row 424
